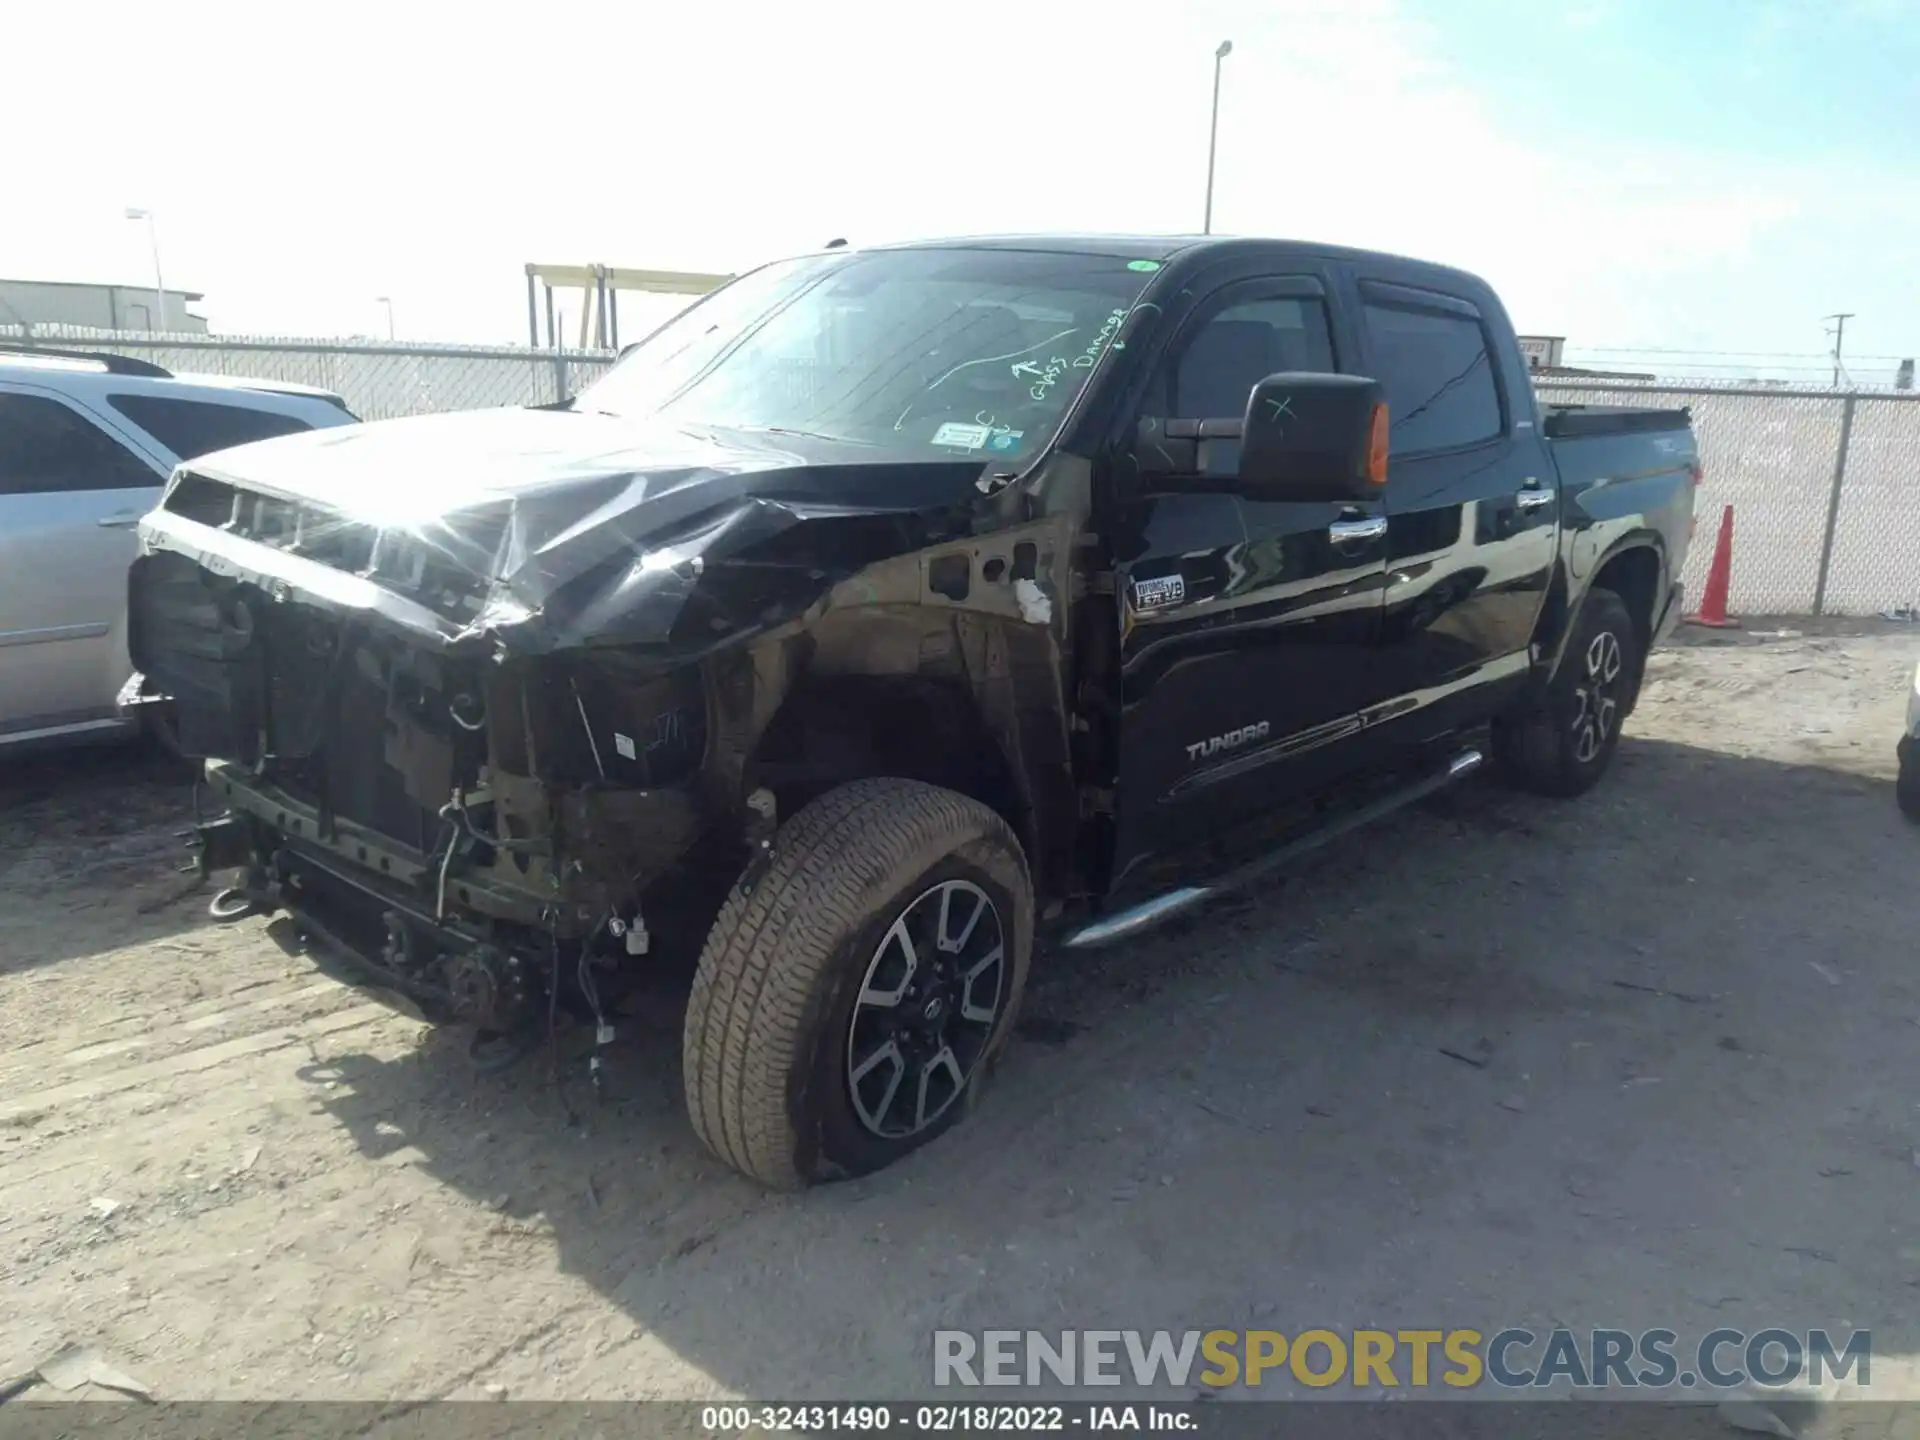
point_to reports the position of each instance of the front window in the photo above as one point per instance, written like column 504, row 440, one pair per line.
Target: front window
column 937, row 352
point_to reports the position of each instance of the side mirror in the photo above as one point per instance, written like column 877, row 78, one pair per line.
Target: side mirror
column 1303, row 437
column 1314, row 437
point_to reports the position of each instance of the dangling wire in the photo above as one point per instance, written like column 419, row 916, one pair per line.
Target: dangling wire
column 591, row 989
column 553, row 1022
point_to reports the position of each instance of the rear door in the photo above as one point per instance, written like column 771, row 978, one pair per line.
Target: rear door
column 71, row 491
column 1472, row 506
column 1248, row 626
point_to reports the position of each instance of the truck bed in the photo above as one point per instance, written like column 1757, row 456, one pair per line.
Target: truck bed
column 1582, row 422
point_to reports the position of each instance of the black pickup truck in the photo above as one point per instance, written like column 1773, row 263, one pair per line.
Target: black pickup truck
column 887, row 608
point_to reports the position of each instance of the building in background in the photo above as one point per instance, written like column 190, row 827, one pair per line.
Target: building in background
column 1543, row 355
column 1542, row 352
column 105, row 307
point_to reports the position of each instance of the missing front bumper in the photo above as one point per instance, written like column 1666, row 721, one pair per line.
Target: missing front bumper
column 374, row 863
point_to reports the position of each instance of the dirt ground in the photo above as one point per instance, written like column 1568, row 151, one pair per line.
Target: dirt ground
column 1648, row 1058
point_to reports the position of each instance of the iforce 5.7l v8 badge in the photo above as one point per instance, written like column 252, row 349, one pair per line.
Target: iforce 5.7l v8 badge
column 1158, row 593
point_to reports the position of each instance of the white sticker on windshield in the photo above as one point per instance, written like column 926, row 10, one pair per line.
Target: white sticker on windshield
column 962, row 436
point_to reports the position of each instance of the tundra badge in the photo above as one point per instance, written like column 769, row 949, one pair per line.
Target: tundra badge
column 1232, row 740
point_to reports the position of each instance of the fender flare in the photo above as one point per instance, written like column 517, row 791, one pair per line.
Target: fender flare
column 1551, row 643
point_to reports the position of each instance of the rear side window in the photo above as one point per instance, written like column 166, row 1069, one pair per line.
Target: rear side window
column 192, row 428
column 1438, row 375
column 47, row 447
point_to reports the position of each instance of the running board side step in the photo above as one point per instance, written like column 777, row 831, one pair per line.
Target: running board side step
column 1125, row 924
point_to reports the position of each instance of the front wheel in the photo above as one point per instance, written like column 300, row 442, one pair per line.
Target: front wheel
column 1562, row 742
column 857, row 985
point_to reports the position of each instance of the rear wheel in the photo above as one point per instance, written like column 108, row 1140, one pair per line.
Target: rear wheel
column 857, row 985
column 1562, row 742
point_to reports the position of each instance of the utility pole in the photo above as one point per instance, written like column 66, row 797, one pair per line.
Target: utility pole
column 1839, row 336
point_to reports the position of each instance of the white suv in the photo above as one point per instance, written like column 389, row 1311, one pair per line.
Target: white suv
column 86, row 443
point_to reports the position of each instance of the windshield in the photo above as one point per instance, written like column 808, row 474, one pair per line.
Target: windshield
column 953, row 352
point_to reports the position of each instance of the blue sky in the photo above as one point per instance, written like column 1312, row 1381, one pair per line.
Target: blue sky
column 1695, row 175
column 1814, row 101
column 1792, row 79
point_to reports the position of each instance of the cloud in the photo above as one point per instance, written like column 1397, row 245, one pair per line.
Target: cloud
column 419, row 152
column 1412, row 158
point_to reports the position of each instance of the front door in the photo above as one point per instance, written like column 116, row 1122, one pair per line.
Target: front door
column 1247, row 626
column 70, row 496
column 1473, row 520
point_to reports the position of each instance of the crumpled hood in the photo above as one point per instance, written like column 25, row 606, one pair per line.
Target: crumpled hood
column 548, row 529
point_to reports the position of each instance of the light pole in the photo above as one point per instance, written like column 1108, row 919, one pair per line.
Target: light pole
column 1213, row 132
column 159, row 286
column 383, row 300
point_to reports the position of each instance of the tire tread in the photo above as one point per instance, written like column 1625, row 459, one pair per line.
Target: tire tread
column 765, row 958
column 1530, row 747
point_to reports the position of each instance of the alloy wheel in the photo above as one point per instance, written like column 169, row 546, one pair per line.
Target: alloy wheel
column 1598, row 695
column 927, row 1007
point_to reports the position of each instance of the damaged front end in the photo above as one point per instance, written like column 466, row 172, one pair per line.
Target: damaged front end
column 492, row 809
column 503, row 698
column 499, row 749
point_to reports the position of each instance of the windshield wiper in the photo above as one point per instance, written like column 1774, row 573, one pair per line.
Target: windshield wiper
column 803, row 434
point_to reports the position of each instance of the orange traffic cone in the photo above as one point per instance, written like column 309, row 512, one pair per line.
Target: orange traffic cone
column 1713, row 599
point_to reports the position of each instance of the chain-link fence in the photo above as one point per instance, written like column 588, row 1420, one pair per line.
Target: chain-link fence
column 1818, row 478
column 377, row 380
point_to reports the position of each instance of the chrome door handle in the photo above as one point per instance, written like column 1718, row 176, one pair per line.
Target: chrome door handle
column 1533, row 499
column 1343, row 532
column 126, row 520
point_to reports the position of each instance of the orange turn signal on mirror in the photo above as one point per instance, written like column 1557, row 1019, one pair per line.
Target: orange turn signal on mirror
column 1377, row 446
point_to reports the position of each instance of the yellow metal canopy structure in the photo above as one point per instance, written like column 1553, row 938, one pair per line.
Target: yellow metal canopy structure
column 600, row 287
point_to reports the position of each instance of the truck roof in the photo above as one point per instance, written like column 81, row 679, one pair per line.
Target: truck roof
column 1164, row 247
